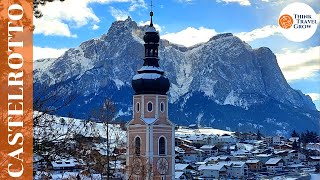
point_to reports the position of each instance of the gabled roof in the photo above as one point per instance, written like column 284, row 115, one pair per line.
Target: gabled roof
column 216, row 167
column 177, row 175
column 181, row 167
column 273, row 161
column 252, row 161
column 315, row 157
column 208, row 147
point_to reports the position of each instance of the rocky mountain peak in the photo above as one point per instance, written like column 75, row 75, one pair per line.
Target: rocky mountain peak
column 225, row 79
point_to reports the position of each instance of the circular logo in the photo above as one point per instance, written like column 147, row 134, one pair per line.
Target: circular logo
column 286, row 21
column 298, row 22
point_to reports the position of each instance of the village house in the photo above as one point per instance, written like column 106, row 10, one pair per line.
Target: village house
column 274, row 164
column 313, row 160
column 254, row 165
column 276, row 140
column 179, row 141
column 214, row 160
column 191, row 153
column 209, row 150
column 213, row 139
column 295, row 157
column 237, row 169
column 263, row 157
column 313, row 146
column 212, row 171
column 63, row 166
column 228, row 139
column 180, row 176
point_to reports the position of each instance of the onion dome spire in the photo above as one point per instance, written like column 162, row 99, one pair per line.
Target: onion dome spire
column 150, row 78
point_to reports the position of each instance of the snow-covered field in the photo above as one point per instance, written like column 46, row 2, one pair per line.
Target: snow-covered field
column 52, row 127
column 315, row 176
column 204, row 131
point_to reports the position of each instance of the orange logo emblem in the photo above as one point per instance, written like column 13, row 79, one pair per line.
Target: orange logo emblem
column 285, row 21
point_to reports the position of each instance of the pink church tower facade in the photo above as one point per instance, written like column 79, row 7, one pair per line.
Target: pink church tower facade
column 150, row 134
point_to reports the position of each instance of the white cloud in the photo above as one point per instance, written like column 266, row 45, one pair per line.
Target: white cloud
column 190, row 36
column 157, row 26
column 279, row 2
column 52, row 27
column 59, row 17
column 299, row 64
column 259, row 33
column 45, row 52
column 241, row 2
column 95, row 27
column 118, row 14
column 135, row 4
column 314, row 96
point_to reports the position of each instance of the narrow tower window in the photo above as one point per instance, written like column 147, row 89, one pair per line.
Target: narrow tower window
column 137, row 145
column 162, row 106
column 162, row 146
column 150, row 106
column 138, row 107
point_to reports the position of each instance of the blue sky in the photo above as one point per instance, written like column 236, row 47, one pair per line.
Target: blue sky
column 65, row 25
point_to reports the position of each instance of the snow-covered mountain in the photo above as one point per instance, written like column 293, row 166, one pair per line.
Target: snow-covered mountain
column 222, row 83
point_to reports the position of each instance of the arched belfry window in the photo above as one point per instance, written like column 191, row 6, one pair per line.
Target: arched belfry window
column 137, row 145
column 162, row 146
column 150, row 106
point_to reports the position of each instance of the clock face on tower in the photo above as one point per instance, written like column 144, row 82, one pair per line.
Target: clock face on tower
column 137, row 166
column 162, row 166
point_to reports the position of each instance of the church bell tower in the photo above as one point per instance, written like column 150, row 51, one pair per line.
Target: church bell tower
column 150, row 134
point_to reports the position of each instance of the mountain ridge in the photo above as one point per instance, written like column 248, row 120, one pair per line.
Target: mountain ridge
column 225, row 72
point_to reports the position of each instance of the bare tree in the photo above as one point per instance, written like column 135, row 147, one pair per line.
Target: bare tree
column 36, row 3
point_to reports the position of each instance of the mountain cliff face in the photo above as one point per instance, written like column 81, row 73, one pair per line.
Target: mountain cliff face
column 223, row 83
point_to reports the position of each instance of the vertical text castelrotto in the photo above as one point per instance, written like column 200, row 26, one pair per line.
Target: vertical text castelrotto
column 16, row 89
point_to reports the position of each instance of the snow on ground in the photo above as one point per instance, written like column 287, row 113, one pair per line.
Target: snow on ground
column 63, row 126
column 205, row 131
column 315, row 176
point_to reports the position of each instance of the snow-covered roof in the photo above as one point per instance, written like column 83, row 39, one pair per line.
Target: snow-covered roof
column 217, row 158
column 151, row 29
column 63, row 163
column 252, row 161
column 273, row 161
column 240, row 152
column 315, row 157
column 143, row 68
column 263, row 155
column 207, row 147
column 293, row 139
column 216, row 167
column 146, row 76
column 181, row 167
column 179, row 149
column 177, row 175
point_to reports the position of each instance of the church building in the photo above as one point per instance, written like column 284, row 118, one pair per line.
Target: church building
column 150, row 134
